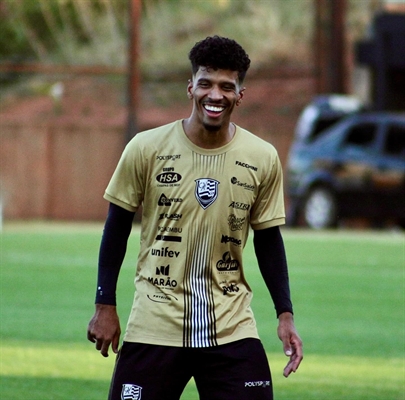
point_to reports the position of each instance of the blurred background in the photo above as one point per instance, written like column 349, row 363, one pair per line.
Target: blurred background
column 79, row 78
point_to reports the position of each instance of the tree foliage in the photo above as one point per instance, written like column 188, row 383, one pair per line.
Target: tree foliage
column 96, row 31
column 61, row 30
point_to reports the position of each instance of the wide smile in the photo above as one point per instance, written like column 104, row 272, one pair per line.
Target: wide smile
column 213, row 110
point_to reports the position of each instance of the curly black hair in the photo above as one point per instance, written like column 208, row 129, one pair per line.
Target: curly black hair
column 219, row 53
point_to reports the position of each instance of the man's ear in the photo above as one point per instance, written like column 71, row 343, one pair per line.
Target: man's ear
column 190, row 89
column 241, row 93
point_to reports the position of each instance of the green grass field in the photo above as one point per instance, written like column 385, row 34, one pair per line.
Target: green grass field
column 348, row 289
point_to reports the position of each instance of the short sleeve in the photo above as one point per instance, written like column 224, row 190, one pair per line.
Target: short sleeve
column 268, row 209
column 126, row 187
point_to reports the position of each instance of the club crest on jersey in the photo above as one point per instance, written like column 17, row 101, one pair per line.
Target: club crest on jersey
column 206, row 191
column 131, row 392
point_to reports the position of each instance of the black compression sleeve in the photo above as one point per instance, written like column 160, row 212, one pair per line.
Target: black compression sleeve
column 112, row 252
column 270, row 253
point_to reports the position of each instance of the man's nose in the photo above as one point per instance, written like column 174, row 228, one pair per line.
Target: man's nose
column 216, row 93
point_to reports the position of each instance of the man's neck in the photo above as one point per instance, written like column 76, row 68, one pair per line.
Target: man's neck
column 207, row 139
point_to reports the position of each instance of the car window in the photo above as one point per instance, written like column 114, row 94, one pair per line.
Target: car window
column 361, row 135
column 321, row 125
column 395, row 141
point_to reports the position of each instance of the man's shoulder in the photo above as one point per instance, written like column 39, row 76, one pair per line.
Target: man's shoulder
column 153, row 140
column 254, row 142
column 152, row 134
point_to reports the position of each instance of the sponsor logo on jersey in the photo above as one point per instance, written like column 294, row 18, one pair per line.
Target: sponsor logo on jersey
column 172, row 229
column 244, row 165
column 163, row 270
column 168, row 238
column 165, row 201
column 243, row 185
column 131, row 392
column 206, row 191
column 164, row 252
column 172, row 217
column 170, row 157
column 227, row 239
column 168, row 178
column 239, row 206
column 235, row 223
column 163, row 283
column 229, row 287
column 227, row 263
column 162, row 297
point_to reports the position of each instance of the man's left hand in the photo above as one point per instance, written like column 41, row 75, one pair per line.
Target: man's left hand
column 292, row 343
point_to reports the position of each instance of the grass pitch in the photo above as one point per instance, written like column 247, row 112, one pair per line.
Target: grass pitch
column 348, row 289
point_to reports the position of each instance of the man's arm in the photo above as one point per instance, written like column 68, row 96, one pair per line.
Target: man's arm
column 270, row 253
column 104, row 328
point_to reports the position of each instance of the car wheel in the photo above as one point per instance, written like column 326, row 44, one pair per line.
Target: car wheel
column 319, row 210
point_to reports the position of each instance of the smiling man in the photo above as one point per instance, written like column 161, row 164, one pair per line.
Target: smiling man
column 215, row 94
column 202, row 182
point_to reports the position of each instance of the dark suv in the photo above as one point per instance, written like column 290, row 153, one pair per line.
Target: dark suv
column 354, row 168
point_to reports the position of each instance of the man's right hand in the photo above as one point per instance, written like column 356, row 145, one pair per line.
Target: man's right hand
column 104, row 329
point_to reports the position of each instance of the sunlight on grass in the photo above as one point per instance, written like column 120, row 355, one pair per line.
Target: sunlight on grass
column 348, row 291
column 342, row 378
column 84, row 362
column 56, row 361
column 369, row 372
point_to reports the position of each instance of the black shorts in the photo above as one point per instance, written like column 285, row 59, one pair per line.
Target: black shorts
column 234, row 371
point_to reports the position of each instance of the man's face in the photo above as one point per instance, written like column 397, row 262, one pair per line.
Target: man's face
column 215, row 94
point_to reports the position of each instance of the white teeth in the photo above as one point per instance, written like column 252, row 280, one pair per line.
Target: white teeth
column 213, row 108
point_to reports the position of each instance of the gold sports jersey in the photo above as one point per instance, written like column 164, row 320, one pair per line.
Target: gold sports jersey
column 197, row 208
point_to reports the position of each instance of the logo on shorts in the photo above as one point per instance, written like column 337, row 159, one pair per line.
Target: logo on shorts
column 131, row 392
column 206, row 191
column 263, row 384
